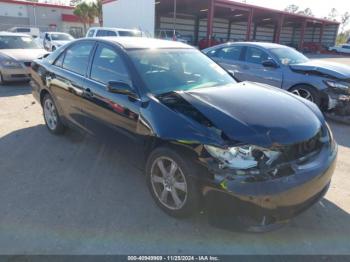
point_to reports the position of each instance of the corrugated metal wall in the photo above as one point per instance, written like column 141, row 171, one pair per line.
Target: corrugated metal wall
column 289, row 35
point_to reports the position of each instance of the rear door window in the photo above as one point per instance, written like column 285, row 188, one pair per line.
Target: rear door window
column 106, row 33
column 229, row 53
column 77, row 57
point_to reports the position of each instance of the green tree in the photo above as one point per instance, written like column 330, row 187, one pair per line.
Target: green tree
column 307, row 12
column 332, row 14
column 292, row 8
column 97, row 10
column 344, row 20
column 86, row 14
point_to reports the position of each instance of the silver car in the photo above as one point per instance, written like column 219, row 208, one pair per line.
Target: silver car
column 324, row 83
column 17, row 51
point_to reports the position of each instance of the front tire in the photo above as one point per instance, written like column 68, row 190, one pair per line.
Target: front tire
column 308, row 93
column 52, row 119
column 171, row 183
column 1, row 80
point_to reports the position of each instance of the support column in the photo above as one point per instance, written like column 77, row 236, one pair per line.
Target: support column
column 229, row 31
column 321, row 33
column 249, row 26
column 302, row 35
column 196, row 30
column 210, row 21
column 278, row 29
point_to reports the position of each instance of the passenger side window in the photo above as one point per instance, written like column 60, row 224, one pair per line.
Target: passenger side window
column 101, row 33
column 111, row 33
column 77, row 57
column 91, row 33
column 229, row 53
column 256, row 56
column 108, row 66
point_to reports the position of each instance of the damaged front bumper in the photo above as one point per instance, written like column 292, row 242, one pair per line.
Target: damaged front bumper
column 338, row 100
column 250, row 203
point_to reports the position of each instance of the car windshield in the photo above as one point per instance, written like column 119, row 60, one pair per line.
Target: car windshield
column 130, row 33
column 166, row 70
column 18, row 42
column 61, row 37
column 288, row 56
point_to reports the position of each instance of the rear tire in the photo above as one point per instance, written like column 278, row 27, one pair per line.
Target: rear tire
column 308, row 93
column 52, row 119
column 171, row 183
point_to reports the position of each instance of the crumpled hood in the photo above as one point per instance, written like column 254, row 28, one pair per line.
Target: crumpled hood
column 326, row 68
column 256, row 114
column 23, row 55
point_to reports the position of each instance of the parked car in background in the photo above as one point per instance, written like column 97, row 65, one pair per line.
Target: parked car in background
column 32, row 31
column 111, row 31
column 170, row 35
column 54, row 40
column 320, row 82
column 345, row 48
column 202, row 138
column 17, row 51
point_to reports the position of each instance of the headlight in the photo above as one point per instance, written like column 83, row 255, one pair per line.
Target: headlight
column 10, row 63
column 243, row 157
column 336, row 84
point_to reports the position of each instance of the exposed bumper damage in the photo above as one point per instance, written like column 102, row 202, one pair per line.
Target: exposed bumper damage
column 260, row 202
column 339, row 105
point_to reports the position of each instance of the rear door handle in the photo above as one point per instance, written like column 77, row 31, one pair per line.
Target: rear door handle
column 88, row 92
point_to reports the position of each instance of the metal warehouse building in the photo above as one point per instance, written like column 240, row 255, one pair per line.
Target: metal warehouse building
column 47, row 17
column 205, row 22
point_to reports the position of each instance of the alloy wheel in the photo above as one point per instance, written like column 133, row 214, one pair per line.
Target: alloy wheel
column 50, row 114
column 304, row 94
column 168, row 183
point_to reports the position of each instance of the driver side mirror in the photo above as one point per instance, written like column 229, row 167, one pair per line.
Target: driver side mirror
column 269, row 63
column 118, row 87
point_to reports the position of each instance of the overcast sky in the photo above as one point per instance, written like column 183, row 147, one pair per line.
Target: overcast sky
column 320, row 8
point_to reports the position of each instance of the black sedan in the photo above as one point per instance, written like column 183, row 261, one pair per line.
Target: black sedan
column 209, row 143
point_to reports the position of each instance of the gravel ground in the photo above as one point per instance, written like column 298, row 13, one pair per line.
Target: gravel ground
column 77, row 195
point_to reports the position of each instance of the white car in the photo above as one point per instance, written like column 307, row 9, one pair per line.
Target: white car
column 32, row 31
column 345, row 48
column 111, row 31
column 54, row 40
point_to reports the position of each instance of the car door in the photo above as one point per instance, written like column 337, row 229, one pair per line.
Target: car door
column 254, row 70
column 106, row 111
column 229, row 57
column 67, row 77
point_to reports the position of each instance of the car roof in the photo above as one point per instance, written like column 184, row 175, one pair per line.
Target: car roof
column 143, row 42
column 56, row 33
column 5, row 33
column 112, row 28
column 265, row 45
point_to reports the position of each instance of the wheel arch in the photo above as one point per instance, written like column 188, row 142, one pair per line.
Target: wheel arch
column 43, row 92
column 324, row 96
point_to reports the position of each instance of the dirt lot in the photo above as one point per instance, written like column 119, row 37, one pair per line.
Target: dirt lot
column 74, row 195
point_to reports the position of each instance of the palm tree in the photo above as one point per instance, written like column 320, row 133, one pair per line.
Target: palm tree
column 97, row 6
column 86, row 13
